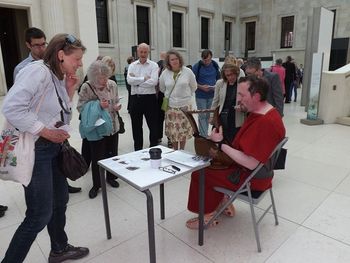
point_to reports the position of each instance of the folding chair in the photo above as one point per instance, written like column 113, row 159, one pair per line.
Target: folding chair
column 244, row 193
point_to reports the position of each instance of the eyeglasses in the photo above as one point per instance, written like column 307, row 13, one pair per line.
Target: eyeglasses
column 167, row 169
column 39, row 45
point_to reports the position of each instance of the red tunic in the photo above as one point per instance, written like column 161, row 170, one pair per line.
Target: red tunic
column 258, row 137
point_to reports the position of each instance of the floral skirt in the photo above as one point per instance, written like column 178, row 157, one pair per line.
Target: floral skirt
column 177, row 126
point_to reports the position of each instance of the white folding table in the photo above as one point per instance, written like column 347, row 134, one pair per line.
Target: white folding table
column 135, row 169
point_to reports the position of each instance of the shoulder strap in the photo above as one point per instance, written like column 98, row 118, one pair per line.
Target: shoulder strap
column 178, row 75
column 92, row 89
column 198, row 68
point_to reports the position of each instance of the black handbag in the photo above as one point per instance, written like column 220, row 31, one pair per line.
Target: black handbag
column 71, row 162
column 121, row 124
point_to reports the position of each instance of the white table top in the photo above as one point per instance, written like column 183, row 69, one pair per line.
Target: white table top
column 135, row 167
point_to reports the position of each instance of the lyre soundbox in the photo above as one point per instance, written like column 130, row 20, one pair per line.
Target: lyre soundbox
column 205, row 147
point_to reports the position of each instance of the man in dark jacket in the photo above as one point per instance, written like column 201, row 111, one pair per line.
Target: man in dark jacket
column 275, row 94
column 290, row 76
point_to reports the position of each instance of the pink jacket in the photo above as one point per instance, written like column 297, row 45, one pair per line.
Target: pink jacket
column 281, row 73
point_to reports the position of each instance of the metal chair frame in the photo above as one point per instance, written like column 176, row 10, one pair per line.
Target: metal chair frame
column 245, row 194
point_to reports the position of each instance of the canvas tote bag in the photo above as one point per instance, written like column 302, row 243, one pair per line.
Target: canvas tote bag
column 17, row 153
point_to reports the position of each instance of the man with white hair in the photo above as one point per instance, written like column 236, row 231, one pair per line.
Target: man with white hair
column 143, row 78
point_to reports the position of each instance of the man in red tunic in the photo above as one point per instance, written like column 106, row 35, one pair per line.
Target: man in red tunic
column 262, row 130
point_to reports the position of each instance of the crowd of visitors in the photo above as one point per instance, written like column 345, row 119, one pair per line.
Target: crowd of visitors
column 250, row 101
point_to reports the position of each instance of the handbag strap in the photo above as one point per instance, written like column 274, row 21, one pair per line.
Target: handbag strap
column 60, row 101
column 97, row 95
column 92, row 89
column 174, row 84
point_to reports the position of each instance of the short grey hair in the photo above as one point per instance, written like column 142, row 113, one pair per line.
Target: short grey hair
column 143, row 45
column 253, row 62
column 96, row 70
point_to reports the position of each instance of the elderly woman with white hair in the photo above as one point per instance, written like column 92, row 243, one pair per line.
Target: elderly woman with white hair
column 98, row 96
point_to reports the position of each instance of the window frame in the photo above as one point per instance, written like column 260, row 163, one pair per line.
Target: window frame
column 108, row 21
column 201, row 32
column 181, row 29
column 208, row 14
column 243, row 21
column 150, row 4
column 290, row 43
column 138, row 41
column 246, row 36
column 183, row 9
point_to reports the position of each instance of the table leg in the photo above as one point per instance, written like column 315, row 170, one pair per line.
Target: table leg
column 201, row 207
column 105, row 202
column 162, row 210
column 150, row 221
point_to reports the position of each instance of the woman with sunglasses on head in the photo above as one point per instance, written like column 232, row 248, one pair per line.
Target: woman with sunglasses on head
column 49, row 83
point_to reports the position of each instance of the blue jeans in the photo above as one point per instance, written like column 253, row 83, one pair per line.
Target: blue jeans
column 203, row 118
column 293, row 87
column 46, row 198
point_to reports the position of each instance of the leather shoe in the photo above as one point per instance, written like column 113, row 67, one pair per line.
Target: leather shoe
column 73, row 190
column 113, row 183
column 3, row 208
column 69, row 252
column 2, row 213
column 93, row 192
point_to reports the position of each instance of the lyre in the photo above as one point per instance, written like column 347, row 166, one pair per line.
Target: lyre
column 205, row 147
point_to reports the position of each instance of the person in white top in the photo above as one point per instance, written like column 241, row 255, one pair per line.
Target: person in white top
column 46, row 196
column 143, row 78
column 178, row 83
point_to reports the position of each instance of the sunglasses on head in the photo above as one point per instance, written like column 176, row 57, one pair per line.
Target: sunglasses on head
column 72, row 40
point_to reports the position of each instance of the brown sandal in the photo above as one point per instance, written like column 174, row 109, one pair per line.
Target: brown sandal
column 193, row 223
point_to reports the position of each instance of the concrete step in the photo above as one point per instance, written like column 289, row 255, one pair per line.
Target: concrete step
column 343, row 120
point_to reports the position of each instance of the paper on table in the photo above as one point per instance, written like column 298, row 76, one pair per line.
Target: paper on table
column 184, row 158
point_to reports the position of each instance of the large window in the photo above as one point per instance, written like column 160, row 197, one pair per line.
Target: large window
column 102, row 21
column 228, row 26
column 143, row 30
column 177, row 29
column 287, row 32
column 204, row 33
column 250, row 36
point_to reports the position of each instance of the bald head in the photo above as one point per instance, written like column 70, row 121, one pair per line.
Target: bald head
column 142, row 52
column 162, row 55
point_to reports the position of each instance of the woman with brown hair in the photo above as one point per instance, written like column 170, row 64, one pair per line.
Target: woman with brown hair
column 225, row 97
column 53, row 80
column 178, row 83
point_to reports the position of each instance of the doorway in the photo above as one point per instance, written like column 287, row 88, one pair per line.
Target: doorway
column 339, row 53
column 12, row 25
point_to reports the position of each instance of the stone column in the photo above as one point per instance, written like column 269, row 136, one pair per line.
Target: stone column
column 53, row 20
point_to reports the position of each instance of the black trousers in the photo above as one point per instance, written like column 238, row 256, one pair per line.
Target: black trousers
column 101, row 149
column 144, row 105
column 288, row 83
column 85, row 151
column 161, row 115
